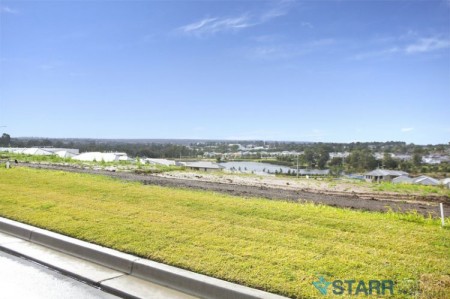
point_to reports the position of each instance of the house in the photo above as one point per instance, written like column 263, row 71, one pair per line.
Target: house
column 403, row 179
column 387, row 175
column 420, row 180
column 425, row 180
column 203, row 166
column 402, row 157
column 339, row 155
column 435, row 159
column 446, row 183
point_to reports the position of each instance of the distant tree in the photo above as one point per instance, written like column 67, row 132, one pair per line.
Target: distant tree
column 234, row 148
column 361, row 160
column 324, row 156
column 309, row 157
column 406, row 166
column 336, row 161
column 417, row 159
column 388, row 162
column 5, row 140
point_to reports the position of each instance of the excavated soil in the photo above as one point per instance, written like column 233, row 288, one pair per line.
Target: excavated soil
column 426, row 205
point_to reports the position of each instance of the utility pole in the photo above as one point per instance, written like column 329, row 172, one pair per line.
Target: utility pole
column 297, row 165
column 343, row 161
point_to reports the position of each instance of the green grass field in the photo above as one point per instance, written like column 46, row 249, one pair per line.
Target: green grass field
column 277, row 246
column 411, row 188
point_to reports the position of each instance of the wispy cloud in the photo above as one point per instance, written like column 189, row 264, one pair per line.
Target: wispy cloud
column 7, row 10
column 276, row 51
column 307, row 25
column 267, row 38
column 407, row 45
column 427, row 45
column 212, row 25
column 280, row 9
column 405, row 130
column 376, row 54
column 49, row 66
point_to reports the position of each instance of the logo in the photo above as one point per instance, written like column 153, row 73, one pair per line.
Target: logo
column 354, row 287
column 322, row 285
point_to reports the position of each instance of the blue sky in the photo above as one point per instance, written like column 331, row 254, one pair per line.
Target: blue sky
column 331, row 71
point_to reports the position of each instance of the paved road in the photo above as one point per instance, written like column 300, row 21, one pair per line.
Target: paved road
column 20, row 278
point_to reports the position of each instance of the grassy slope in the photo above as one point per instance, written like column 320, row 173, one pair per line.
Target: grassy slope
column 273, row 245
column 412, row 188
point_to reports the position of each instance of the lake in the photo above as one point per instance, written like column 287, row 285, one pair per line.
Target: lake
column 259, row 168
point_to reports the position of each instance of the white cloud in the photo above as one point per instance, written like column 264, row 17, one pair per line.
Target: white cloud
column 405, row 130
column 284, row 51
column 198, row 25
column 210, row 26
column 307, row 25
column 408, row 44
column 375, row 54
column 280, row 9
column 213, row 25
column 8, row 10
column 267, row 38
column 427, row 45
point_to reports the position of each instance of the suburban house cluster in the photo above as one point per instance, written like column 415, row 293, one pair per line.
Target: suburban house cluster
column 401, row 177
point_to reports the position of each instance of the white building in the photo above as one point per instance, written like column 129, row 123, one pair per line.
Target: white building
column 42, row 151
column 425, row 180
column 164, row 162
column 98, row 157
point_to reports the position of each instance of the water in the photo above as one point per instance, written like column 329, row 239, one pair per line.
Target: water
column 259, row 168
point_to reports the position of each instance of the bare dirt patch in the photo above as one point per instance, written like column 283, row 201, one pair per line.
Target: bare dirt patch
column 340, row 195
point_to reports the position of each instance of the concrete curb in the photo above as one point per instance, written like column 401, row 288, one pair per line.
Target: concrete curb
column 179, row 279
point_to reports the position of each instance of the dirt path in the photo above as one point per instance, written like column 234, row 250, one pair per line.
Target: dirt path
column 370, row 202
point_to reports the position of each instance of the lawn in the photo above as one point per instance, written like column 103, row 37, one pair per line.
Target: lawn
column 277, row 246
column 411, row 188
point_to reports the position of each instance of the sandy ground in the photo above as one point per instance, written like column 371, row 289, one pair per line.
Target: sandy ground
column 270, row 181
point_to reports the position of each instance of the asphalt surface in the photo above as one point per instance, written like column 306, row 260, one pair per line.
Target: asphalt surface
column 21, row 278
